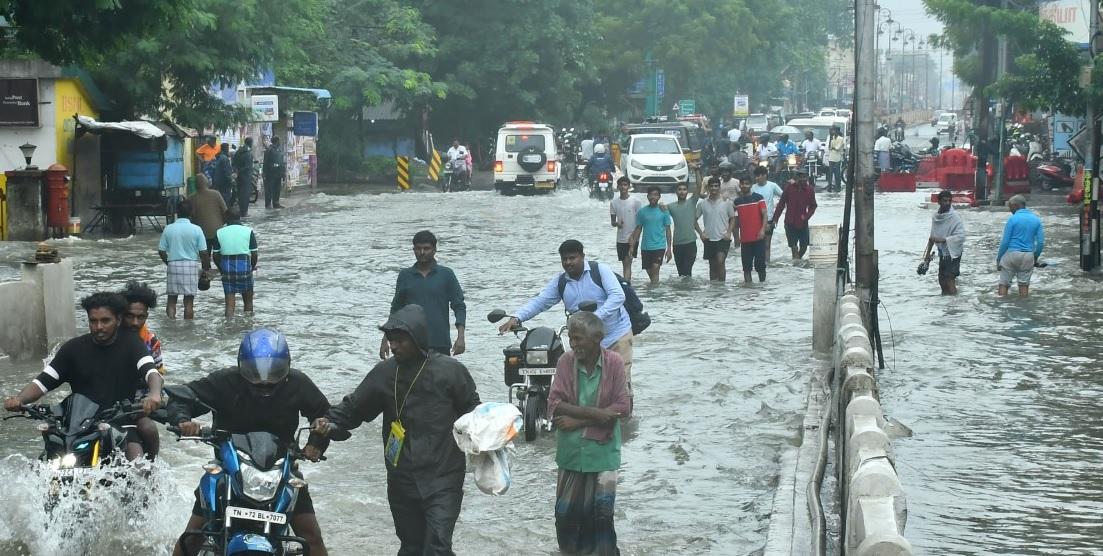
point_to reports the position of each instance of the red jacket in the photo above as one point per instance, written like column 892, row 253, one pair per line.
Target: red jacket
column 800, row 198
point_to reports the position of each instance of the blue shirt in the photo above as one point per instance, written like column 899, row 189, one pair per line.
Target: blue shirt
column 610, row 299
column 654, row 222
column 787, row 148
column 183, row 241
column 1023, row 232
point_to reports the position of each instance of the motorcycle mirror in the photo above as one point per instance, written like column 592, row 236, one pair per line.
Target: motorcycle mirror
column 588, row 306
column 496, row 315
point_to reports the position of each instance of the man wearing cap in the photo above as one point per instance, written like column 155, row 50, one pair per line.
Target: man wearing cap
column 1022, row 244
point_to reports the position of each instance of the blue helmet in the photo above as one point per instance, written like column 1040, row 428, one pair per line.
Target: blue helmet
column 264, row 358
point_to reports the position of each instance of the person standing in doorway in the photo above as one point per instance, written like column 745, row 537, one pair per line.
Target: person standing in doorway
column 948, row 234
column 224, row 174
column 1020, row 248
column 799, row 198
column 684, row 214
column 771, row 192
column 836, row 144
column 243, row 163
column 653, row 235
column 183, row 249
column 589, row 398
column 622, row 215
column 208, row 211
column 435, row 288
column 273, row 170
column 718, row 219
column 750, row 214
column 236, row 256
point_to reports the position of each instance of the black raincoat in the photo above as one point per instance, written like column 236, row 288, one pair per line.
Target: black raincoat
column 425, row 489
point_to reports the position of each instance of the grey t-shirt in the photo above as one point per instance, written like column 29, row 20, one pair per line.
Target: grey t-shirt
column 715, row 216
column 625, row 211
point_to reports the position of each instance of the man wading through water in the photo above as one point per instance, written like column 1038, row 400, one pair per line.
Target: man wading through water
column 420, row 394
column 718, row 219
column 589, row 398
column 948, row 233
column 435, row 288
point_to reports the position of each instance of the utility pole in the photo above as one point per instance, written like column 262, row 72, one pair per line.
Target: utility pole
column 1089, row 219
column 864, row 178
column 1001, row 69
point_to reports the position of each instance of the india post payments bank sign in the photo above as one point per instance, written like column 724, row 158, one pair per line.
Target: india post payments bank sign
column 1070, row 15
column 266, row 108
column 19, row 103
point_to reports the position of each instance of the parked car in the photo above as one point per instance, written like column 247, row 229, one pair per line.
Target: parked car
column 526, row 160
column 655, row 159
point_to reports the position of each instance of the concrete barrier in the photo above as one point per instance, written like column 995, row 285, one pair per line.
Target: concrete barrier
column 874, row 508
column 38, row 310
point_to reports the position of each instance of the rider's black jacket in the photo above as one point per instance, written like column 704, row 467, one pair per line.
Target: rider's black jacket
column 238, row 411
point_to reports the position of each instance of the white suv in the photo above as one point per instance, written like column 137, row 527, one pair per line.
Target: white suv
column 525, row 159
column 655, row 159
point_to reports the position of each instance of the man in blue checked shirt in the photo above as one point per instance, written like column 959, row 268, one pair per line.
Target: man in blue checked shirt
column 579, row 286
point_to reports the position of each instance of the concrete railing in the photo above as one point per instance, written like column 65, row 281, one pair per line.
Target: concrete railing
column 37, row 310
column 874, row 508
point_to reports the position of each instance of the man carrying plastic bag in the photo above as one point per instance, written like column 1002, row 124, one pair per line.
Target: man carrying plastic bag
column 486, row 436
column 589, row 397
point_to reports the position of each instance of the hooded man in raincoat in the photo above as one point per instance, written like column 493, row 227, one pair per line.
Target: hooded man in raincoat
column 420, row 393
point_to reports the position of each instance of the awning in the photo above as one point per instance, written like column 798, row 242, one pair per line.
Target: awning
column 145, row 130
column 320, row 94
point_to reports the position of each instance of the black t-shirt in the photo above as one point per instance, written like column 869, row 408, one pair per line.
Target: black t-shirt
column 237, row 411
column 104, row 373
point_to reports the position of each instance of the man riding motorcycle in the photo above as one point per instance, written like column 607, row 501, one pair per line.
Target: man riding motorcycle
column 600, row 162
column 262, row 393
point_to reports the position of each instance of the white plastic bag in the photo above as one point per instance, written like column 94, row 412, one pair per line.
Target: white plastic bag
column 488, row 427
column 492, row 470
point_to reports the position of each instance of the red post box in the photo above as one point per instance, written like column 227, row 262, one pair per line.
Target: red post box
column 57, row 196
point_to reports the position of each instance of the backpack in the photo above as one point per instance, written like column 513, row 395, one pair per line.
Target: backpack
column 640, row 319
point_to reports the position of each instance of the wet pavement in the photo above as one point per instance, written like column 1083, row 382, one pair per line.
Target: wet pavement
column 1001, row 394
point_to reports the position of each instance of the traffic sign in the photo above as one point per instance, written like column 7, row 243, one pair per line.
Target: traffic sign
column 660, row 83
column 1080, row 142
column 687, row 106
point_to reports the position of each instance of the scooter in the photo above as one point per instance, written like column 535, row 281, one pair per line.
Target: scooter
column 79, row 438
column 247, row 492
column 602, row 187
column 529, row 369
column 1055, row 174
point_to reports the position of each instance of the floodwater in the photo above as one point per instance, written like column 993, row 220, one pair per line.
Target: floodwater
column 1000, row 393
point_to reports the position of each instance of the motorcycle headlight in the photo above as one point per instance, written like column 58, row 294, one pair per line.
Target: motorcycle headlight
column 792, row 159
column 680, row 165
column 636, row 165
column 68, row 460
column 536, row 358
column 260, row 485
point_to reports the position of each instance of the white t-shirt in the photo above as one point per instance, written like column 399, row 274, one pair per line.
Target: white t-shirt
column 767, row 150
column 625, row 210
column 811, row 145
column 882, row 144
column 769, row 191
column 835, row 149
column 729, row 189
column 587, row 147
column 715, row 216
column 734, row 134
column 454, row 153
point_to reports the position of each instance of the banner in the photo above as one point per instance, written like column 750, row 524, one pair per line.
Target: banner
column 266, row 108
column 742, row 106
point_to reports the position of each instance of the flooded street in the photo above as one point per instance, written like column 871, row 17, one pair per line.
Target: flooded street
column 1002, row 394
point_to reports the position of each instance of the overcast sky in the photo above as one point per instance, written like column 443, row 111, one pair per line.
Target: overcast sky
column 913, row 15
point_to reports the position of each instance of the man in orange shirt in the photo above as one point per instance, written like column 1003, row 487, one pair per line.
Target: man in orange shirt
column 206, row 154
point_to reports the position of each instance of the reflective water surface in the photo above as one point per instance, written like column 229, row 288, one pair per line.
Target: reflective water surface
column 1000, row 393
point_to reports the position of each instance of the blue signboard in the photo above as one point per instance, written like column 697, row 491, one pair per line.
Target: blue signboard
column 305, row 124
column 660, row 83
column 1064, row 127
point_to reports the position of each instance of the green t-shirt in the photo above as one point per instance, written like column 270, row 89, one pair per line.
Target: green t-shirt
column 574, row 453
column 236, row 239
column 684, row 215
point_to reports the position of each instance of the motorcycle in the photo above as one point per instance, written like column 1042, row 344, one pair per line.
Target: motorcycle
column 903, row 159
column 898, row 133
column 247, row 492
column 529, row 369
column 455, row 176
column 79, row 437
column 602, row 187
column 789, row 168
column 1056, row 173
column 812, row 166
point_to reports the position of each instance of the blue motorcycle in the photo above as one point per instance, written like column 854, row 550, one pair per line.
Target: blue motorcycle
column 247, row 493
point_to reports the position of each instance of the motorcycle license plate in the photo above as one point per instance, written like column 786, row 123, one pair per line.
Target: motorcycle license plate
column 536, row 372
column 71, row 472
column 256, row 515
